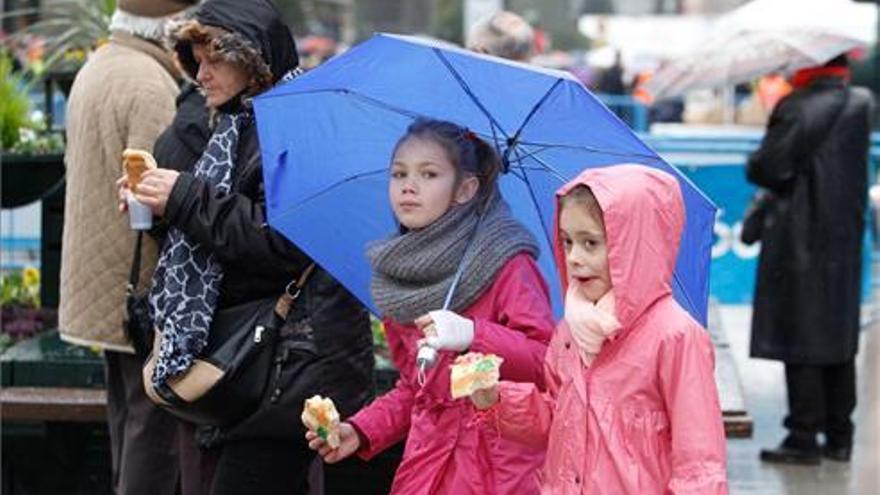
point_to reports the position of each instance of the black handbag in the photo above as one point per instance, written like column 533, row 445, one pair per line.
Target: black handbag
column 136, row 319
column 226, row 383
column 755, row 217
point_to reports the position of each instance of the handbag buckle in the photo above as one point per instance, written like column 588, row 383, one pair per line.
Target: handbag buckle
column 293, row 290
column 258, row 333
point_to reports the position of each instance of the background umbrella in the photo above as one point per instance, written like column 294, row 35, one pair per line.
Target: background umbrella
column 327, row 138
column 767, row 36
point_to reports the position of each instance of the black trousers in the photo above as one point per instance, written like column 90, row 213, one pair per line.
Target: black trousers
column 821, row 398
column 267, row 467
column 143, row 437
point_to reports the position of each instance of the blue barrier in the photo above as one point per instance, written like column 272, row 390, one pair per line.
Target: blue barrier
column 628, row 109
column 19, row 252
column 716, row 164
column 9, row 244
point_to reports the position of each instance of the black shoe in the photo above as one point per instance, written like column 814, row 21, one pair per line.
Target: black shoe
column 789, row 454
column 839, row 454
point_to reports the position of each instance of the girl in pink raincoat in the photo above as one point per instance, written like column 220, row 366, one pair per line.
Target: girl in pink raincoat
column 443, row 193
column 631, row 405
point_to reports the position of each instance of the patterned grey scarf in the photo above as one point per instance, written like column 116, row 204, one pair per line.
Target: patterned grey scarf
column 412, row 272
column 186, row 283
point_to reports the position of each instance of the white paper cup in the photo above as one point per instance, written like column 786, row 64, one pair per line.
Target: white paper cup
column 139, row 214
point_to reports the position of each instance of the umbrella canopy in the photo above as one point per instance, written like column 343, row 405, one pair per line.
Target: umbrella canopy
column 327, row 139
column 857, row 20
column 767, row 36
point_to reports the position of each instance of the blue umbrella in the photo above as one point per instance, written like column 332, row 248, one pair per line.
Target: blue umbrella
column 327, row 139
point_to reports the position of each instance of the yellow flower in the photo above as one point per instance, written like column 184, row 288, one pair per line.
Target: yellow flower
column 30, row 277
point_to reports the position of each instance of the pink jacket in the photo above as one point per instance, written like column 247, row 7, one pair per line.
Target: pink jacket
column 644, row 418
column 447, row 451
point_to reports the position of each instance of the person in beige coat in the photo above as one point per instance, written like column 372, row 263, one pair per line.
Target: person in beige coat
column 123, row 97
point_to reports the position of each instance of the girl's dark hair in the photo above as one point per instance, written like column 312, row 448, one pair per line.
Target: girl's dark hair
column 467, row 152
column 583, row 195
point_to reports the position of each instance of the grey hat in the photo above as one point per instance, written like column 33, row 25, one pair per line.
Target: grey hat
column 154, row 8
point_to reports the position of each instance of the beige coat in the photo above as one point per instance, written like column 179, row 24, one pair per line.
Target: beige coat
column 122, row 98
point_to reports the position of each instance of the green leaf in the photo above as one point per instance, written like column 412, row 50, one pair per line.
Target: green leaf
column 14, row 103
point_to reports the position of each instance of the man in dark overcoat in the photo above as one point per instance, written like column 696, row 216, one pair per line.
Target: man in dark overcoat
column 814, row 161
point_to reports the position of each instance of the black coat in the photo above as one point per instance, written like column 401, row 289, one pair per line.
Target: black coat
column 814, row 158
column 336, row 360
column 180, row 146
column 327, row 340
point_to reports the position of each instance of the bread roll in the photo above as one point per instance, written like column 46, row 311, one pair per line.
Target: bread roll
column 134, row 164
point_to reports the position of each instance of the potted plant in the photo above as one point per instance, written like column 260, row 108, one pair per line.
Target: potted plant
column 32, row 160
column 22, row 316
column 50, row 52
column 14, row 103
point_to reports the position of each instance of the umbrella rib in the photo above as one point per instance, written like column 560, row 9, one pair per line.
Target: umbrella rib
column 589, row 149
column 380, row 103
column 369, row 99
column 512, row 142
column 550, row 168
column 525, row 178
column 534, row 110
column 333, row 186
column 467, row 89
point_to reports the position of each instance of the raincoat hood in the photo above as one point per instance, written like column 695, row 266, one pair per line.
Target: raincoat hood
column 643, row 211
column 256, row 30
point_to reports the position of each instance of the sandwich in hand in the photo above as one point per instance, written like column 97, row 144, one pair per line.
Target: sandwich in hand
column 320, row 416
column 134, row 164
column 474, row 371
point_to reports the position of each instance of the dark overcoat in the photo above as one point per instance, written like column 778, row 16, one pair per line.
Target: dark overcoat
column 814, row 159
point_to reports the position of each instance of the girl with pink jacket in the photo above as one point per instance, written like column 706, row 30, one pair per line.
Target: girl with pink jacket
column 443, row 193
column 631, row 405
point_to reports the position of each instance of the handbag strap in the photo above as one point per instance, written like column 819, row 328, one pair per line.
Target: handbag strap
column 292, row 292
column 841, row 107
column 135, row 274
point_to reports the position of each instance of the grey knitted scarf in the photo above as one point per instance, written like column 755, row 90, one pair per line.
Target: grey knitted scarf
column 412, row 272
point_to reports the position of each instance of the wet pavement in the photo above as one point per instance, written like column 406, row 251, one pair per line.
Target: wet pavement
column 763, row 385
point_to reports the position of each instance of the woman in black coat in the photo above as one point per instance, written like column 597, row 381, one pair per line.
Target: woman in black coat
column 813, row 160
column 220, row 252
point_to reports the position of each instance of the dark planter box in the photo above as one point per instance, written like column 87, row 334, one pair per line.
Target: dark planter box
column 46, row 361
column 28, row 178
column 53, row 457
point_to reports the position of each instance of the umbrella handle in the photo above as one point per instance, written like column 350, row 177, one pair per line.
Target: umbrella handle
column 425, row 359
column 427, row 355
column 460, row 270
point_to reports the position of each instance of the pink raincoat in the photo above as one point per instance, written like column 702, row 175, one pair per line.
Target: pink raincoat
column 447, row 451
column 644, row 418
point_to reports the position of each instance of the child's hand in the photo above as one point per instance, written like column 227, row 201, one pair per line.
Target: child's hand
column 349, row 443
column 485, row 398
column 446, row 330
